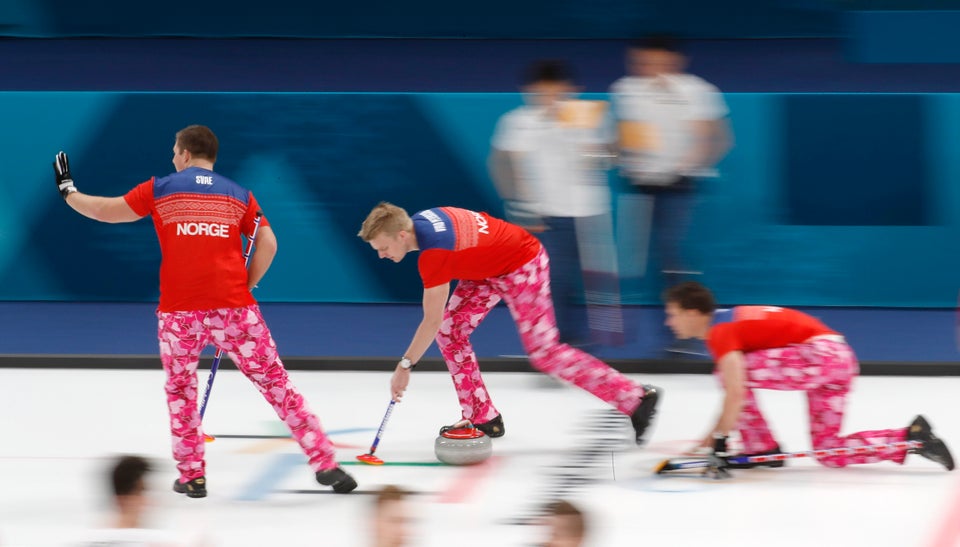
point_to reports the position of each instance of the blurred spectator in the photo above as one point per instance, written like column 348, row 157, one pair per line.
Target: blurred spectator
column 391, row 520
column 566, row 525
column 673, row 131
column 548, row 162
column 128, row 522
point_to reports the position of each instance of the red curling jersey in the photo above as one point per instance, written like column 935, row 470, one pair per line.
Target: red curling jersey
column 460, row 244
column 754, row 328
column 199, row 216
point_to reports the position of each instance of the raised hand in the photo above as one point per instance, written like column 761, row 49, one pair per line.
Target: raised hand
column 61, row 170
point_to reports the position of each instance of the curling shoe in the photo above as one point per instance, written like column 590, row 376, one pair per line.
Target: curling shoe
column 644, row 413
column 933, row 448
column 197, row 488
column 337, row 478
column 772, row 463
column 494, row 428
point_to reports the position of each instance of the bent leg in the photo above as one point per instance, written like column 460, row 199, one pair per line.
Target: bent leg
column 469, row 304
column 824, row 368
column 754, row 431
column 527, row 294
column 838, row 366
column 826, row 406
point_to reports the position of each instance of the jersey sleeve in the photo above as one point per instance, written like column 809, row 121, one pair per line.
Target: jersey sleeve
column 434, row 267
column 246, row 223
column 723, row 339
column 140, row 198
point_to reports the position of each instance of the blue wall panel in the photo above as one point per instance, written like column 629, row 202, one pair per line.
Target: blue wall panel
column 904, row 35
column 424, row 18
column 319, row 162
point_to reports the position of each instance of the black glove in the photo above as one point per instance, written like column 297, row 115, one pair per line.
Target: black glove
column 61, row 170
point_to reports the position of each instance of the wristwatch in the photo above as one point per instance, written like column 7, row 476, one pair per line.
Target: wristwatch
column 406, row 363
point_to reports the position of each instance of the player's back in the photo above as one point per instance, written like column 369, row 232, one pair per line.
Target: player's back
column 198, row 218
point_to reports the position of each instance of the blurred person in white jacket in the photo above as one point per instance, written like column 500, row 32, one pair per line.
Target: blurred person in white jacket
column 548, row 160
column 672, row 131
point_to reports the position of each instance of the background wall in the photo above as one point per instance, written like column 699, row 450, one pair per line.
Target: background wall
column 839, row 196
column 827, row 199
column 425, row 18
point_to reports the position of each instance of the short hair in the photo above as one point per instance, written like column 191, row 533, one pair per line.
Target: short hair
column 577, row 523
column 385, row 218
column 200, row 141
column 390, row 493
column 658, row 42
column 691, row 295
column 127, row 475
column 548, row 70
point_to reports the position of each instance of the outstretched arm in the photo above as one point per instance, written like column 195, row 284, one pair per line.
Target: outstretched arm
column 104, row 209
column 434, row 301
column 112, row 210
column 733, row 374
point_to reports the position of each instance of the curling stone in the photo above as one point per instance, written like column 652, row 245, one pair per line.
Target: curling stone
column 462, row 446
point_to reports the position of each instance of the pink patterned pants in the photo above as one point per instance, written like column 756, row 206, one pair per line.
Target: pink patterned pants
column 526, row 292
column 243, row 336
column 823, row 368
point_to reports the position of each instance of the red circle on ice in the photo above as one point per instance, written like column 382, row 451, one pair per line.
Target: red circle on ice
column 370, row 459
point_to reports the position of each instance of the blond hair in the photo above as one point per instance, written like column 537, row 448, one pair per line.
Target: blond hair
column 385, row 218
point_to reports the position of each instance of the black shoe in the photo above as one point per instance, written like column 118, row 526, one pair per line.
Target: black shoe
column 644, row 413
column 459, row 425
column 493, row 428
column 338, row 479
column 197, row 488
column 772, row 463
column 933, row 448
